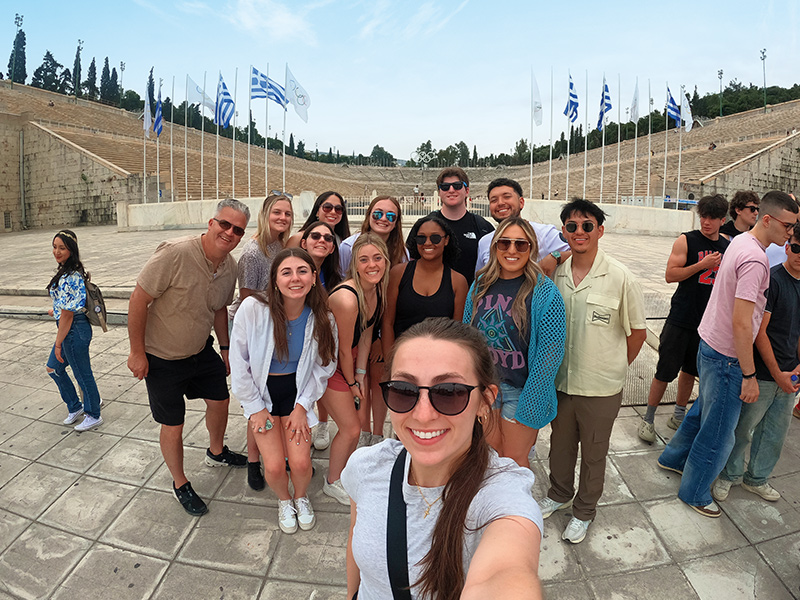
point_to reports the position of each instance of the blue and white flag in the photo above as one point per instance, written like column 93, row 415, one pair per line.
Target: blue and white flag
column 297, row 96
column 605, row 105
column 673, row 110
column 571, row 111
column 158, row 126
column 223, row 112
column 147, row 118
column 262, row 86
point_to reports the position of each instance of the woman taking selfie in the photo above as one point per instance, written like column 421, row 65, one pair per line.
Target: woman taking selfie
column 471, row 527
column 329, row 208
column 283, row 349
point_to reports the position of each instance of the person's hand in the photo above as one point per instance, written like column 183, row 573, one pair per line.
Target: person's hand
column 358, row 389
column 297, row 425
column 710, row 261
column 259, row 420
column 138, row 365
column 50, row 312
column 58, row 353
column 376, row 356
column 784, row 381
column 225, row 354
column 749, row 390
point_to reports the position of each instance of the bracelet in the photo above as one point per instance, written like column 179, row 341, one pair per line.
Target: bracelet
column 352, row 384
column 361, row 371
column 753, row 374
column 224, row 347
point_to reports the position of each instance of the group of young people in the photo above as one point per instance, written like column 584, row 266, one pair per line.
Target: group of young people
column 473, row 339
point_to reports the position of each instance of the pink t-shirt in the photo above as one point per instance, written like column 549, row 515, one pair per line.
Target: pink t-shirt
column 744, row 274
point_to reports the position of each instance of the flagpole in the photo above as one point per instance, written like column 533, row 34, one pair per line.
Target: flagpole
column 217, row 113
column 666, row 143
column 550, row 165
column 144, row 146
column 649, row 135
column 158, row 154
column 266, row 138
column 566, row 191
column 233, row 135
column 185, row 143
column 249, row 121
column 202, row 135
column 530, row 187
column 285, row 86
column 603, row 142
column 586, row 134
column 635, row 138
column 619, row 131
column 171, row 120
column 680, row 152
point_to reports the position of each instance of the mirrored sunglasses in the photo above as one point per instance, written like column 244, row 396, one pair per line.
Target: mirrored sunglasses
column 379, row 214
column 446, row 398
column 226, row 225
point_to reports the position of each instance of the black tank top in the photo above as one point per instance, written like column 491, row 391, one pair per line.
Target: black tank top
column 372, row 320
column 413, row 308
column 690, row 299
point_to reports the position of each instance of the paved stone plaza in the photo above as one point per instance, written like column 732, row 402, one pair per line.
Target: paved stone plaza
column 91, row 515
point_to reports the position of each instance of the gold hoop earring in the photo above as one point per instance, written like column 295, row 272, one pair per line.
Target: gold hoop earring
column 482, row 419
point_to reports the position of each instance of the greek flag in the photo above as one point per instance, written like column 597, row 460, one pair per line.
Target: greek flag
column 223, row 113
column 673, row 110
column 159, row 123
column 605, row 105
column 571, row 111
column 262, row 86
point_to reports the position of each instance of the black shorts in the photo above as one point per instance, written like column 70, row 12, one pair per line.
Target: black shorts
column 283, row 393
column 677, row 351
column 168, row 381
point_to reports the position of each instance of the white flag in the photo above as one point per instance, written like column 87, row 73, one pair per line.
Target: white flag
column 686, row 113
column 148, row 118
column 297, row 96
column 635, row 103
column 536, row 101
column 197, row 96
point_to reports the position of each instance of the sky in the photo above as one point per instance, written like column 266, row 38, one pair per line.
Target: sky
column 400, row 72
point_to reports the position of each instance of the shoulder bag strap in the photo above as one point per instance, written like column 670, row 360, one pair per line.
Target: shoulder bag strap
column 396, row 542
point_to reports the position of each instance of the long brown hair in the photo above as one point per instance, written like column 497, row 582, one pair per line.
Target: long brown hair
column 488, row 275
column 443, row 566
column 316, row 300
column 263, row 233
column 368, row 239
column 73, row 263
column 397, row 249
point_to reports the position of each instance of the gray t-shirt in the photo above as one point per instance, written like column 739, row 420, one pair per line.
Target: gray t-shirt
column 254, row 269
column 506, row 491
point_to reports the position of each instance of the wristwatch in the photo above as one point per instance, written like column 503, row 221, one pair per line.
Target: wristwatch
column 557, row 255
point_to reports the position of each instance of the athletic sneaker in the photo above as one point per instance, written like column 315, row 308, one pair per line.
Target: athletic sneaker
column 548, row 506
column 765, row 490
column 191, row 502
column 287, row 516
column 674, row 423
column 720, row 489
column 73, row 416
column 305, row 513
column 709, row 510
column 336, row 491
column 89, row 422
column 576, row 530
column 226, row 458
column 647, row 431
column 322, row 438
column 255, row 478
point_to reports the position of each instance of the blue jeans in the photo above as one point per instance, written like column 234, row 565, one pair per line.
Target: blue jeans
column 75, row 352
column 507, row 401
column 704, row 440
column 766, row 422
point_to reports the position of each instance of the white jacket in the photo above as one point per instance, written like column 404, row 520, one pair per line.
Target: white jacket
column 252, row 346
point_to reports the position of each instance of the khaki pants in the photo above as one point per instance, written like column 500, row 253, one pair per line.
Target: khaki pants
column 587, row 420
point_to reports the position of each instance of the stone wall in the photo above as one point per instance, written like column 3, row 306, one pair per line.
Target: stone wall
column 10, row 207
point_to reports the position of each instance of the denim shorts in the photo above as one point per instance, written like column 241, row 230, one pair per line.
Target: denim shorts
column 507, row 400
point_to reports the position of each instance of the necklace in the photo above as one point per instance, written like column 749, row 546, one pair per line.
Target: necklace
column 424, row 499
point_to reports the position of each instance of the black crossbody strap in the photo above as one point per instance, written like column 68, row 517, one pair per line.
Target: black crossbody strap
column 396, row 542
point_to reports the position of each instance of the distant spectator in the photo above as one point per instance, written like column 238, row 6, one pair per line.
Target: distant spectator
column 743, row 212
column 712, row 146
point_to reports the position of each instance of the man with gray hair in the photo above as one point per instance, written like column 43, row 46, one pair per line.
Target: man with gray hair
column 181, row 293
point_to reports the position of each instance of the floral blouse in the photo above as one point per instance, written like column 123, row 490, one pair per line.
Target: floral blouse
column 70, row 294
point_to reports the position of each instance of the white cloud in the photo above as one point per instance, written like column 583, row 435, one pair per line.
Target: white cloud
column 274, row 20
column 374, row 20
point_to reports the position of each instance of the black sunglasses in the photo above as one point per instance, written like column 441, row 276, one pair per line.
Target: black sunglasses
column 795, row 248
column 316, row 235
column 449, row 399
column 328, row 207
column 572, row 226
column 225, row 225
column 504, row 244
column 456, row 186
column 753, row 209
column 435, row 238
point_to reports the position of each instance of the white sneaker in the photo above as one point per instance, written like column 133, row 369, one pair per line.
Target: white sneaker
column 364, row 439
column 305, row 513
column 765, row 490
column 89, row 422
column 336, row 491
column 575, row 530
column 322, row 438
column 287, row 516
column 674, row 423
column 720, row 489
column 647, row 431
column 548, row 506
column 73, row 416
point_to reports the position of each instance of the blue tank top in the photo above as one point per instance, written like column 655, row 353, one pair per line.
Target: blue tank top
column 296, row 333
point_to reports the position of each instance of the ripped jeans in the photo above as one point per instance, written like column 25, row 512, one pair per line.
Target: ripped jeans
column 75, row 352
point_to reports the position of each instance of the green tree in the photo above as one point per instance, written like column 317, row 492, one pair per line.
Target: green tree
column 301, row 150
column 90, row 85
column 290, row 151
column 113, row 88
column 46, row 75
column 448, row 156
column 16, row 62
column 76, row 72
column 463, row 154
column 521, row 153
column 65, row 82
column 105, row 81
column 130, row 100
column 151, row 93
column 474, row 156
column 380, row 156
